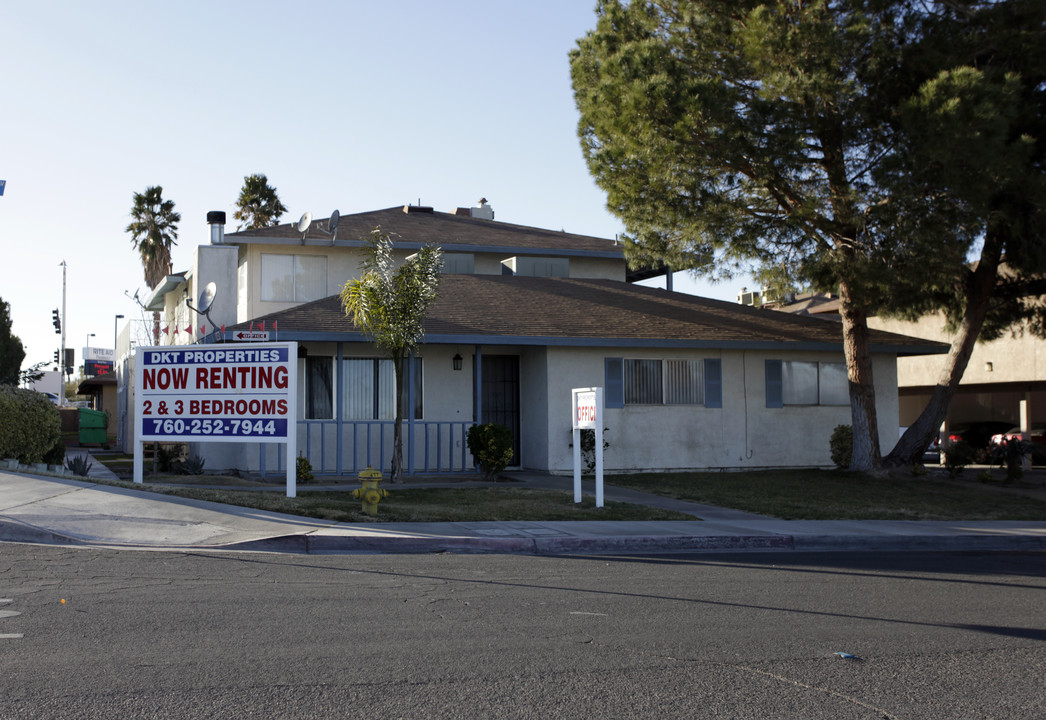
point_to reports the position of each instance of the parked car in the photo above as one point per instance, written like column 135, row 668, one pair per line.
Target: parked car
column 977, row 434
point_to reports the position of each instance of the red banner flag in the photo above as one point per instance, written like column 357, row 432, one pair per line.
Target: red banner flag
column 203, row 329
column 174, row 330
column 261, row 326
column 252, row 326
column 188, row 330
column 165, row 330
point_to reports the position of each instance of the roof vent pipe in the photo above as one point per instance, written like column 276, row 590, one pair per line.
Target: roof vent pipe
column 483, row 211
column 216, row 219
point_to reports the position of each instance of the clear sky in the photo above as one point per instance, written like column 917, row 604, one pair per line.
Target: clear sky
column 346, row 105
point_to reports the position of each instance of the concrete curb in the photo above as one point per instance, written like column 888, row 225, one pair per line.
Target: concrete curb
column 17, row 531
column 916, row 543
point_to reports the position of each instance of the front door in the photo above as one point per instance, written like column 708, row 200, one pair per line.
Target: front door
column 501, row 395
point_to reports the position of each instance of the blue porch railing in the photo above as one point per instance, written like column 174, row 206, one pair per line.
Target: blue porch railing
column 349, row 446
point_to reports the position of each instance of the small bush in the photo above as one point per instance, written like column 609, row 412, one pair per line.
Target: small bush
column 192, row 465
column 957, row 456
column 78, row 465
column 588, row 446
column 30, row 425
column 842, row 446
column 303, row 469
column 56, row 455
column 168, row 457
column 491, row 446
column 1010, row 456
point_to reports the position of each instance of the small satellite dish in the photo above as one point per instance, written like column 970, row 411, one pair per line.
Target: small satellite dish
column 203, row 307
column 207, row 297
column 303, row 225
column 332, row 226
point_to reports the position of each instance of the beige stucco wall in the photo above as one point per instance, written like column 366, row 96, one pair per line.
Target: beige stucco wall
column 743, row 434
column 1012, row 359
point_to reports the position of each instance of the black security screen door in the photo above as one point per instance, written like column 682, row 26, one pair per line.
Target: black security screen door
column 501, row 395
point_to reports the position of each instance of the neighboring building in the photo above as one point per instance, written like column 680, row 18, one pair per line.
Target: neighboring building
column 1002, row 377
column 523, row 316
column 1004, row 381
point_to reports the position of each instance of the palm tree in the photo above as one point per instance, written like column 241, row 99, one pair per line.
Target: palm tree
column 258, row 205
column 389, row 305
column 153, row 229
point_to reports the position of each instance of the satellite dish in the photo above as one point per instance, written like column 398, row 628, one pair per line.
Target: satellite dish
column 207, row 297
column 332, row 226
column 303, row 225
column 203, row 307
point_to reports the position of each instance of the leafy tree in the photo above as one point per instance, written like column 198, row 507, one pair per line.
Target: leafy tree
column 779, row 136
column 153, row 229
column 258, row 205
column 975, row 129
column 11, row 351
column 389, row 304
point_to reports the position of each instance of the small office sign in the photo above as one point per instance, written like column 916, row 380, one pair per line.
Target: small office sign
column 217, row 393
column 587, row 404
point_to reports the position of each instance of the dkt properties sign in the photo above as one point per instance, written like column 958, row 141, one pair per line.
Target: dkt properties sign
column 207, row 393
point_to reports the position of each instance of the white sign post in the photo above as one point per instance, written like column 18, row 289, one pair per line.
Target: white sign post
column 217, row 393
column 587, row 404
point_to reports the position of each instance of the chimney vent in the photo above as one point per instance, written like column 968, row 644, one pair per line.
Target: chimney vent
column 216, row 219
column 483, row 211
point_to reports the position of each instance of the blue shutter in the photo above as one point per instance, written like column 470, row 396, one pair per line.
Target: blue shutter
column 614, row 392
column 774, row 384
column 713, row 383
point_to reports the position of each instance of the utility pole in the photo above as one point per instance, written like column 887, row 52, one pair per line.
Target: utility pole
column 65, row 325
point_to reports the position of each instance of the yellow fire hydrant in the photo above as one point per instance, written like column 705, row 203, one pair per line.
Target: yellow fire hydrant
column 370, row 493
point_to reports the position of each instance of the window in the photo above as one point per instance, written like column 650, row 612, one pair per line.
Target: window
column 319, row 386
column 806, row 383
column 370, row 389
column 663, row 382
column 459, row 264
column 293, row 278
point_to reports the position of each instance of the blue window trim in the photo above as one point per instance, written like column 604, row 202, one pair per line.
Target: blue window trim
column 774, row 384
column 614, row 374
column 713, row 383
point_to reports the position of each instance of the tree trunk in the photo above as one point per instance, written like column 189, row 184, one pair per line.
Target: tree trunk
column 397, row 431
column 919, row 435
column 862, row 386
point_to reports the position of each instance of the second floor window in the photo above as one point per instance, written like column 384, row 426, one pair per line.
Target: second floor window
column 293, row 278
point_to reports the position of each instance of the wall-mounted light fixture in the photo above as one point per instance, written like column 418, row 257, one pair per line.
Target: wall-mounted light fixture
column 457, row 361
column 988, row 367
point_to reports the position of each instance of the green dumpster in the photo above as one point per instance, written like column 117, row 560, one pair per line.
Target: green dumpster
column 92, row 427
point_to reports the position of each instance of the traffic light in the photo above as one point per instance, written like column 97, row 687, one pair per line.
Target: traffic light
column 56, row 360
column 56, row 321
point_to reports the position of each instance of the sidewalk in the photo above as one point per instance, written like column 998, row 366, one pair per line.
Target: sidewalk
column 66, row 511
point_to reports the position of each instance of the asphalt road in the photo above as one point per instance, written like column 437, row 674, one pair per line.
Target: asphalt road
column 213, row 635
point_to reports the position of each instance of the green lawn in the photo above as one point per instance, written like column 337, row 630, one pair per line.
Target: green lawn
column 405, row 504
column 841, row 495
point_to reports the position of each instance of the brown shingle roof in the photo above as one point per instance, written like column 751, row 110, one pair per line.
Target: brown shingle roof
column 569, row 311
column 454, row 233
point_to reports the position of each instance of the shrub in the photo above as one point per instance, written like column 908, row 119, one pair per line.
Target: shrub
column 30, row 425
column 78, row 465
column 303, row 469
column 1010, row 456
column 168, row 456
column 56, row 455
column 588, row 446
column 192, row 465
column 491, row 447
column 957, row 456
column 842, row 445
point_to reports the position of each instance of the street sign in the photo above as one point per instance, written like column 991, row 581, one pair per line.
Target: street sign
column 251, row 336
